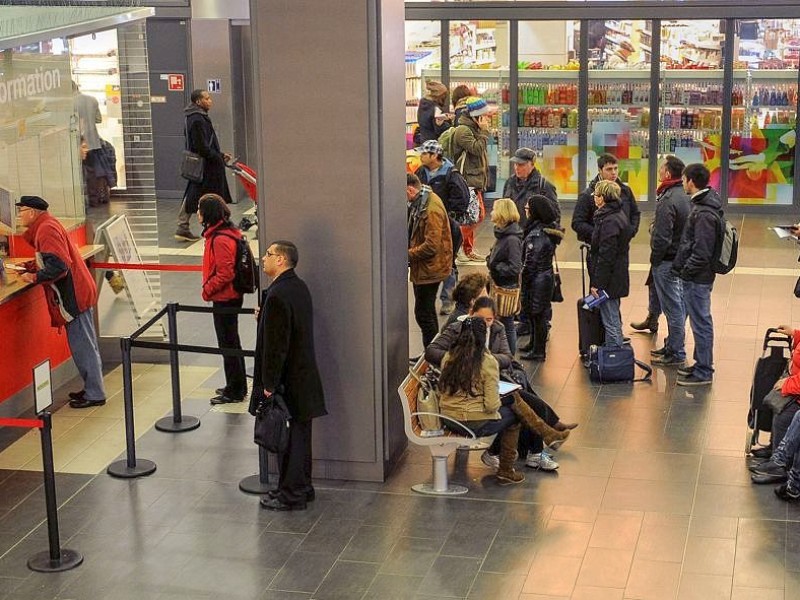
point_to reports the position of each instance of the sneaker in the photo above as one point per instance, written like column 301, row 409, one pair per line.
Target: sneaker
column 668, row 360
column 769, row 468
column 117, row 283
column 686, row 371
column 693, row 381
column 186, row 236
column 542, row 461
column 462, row 259
column 510, row 477
column 448, row 306
column 762, row 452
column 787, row 492
column 659, row 352
column 475, row 257
column 490, row 460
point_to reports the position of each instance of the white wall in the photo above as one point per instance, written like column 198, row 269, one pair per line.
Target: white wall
column 543, row 41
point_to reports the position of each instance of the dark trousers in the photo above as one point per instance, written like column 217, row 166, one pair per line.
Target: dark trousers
column 538, row 331
column 294, row 481
column 425, row 311
column 227, row 330
column 781, row 422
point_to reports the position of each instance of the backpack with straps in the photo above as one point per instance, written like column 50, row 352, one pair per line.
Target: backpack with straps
column 245, row 270
column 446, row 140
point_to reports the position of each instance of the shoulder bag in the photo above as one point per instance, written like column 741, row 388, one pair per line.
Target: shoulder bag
column 557, row 296
column 272, row 424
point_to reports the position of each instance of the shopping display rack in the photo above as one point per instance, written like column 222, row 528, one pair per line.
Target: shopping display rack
column 249, row 180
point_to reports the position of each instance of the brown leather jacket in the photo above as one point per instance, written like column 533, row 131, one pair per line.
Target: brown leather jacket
column 430, row 246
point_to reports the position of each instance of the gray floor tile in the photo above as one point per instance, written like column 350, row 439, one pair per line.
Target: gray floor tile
column 303, row 572
column 346, row 580
column 450, row 576
column 393, row 587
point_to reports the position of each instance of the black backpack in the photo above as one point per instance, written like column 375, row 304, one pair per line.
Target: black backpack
column 245, row 271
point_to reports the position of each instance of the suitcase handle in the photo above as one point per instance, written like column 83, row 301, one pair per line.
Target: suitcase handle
column 774, row 338
column 584, row 250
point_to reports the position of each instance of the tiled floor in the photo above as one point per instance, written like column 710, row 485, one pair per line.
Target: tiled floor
column 652, row 500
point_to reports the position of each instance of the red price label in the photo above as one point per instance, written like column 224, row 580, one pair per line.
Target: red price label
column 175, row 82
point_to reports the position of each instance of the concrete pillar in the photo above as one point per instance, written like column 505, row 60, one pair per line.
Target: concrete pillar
column 330, row 118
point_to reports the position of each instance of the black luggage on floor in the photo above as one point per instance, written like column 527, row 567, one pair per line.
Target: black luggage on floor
column 590, row 327
column 769, row 368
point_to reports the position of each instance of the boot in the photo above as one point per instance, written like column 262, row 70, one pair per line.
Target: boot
column 651, row 323
column 552, row 438
column 506, row 475
column 564, row 426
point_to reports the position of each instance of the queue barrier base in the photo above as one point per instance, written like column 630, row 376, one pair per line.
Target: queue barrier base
column 141, row 468
column 254, row 485
column 42, row 562
column 170, row 425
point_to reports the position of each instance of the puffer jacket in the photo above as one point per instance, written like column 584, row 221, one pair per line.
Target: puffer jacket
column 520, row 190
column 69, row 288
column 219, row 263
column 471, row 141
column 485, row 405
column 608, row 264
column 430, row 246
column 505, row 259
column 791, row 386
column 672, row 210
column 538, row 278
column 583, row 215
column 498, row 344
column 696, row 252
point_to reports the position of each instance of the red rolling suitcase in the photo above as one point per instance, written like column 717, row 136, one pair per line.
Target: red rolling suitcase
column 590, row 328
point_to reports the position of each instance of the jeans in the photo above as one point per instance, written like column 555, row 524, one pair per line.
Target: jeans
column 781, row 423
column 82, row 342
column 492, row 426
column 227, row 329
column 669, row 288
column 511, row 332
column 425, row 311
column 446, row 295
column 612, row 322
column 697, row 300
column 653, row 301
column 788, row 452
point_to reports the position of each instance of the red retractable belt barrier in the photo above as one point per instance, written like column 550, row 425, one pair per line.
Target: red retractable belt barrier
column 145, row 267
column 27, row 423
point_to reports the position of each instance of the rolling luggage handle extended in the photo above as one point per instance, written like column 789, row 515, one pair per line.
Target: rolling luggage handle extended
column 584, row 251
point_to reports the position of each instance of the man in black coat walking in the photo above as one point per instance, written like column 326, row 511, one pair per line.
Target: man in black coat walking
column 285, row 363
column 202, row 139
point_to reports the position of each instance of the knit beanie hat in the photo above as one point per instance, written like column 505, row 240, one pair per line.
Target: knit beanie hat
column 476, row 106
column 540, row 209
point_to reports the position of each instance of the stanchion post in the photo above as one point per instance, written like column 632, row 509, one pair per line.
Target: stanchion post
column 177, row 422
column 258, row 484
column 129, row 468
column 56, row 558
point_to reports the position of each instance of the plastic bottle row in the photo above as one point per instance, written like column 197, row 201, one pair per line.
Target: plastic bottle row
column 668, row 143
column 551, row 118
column 784, row 95
column 693, row 94
column 540, row 94
column 691, row 119
column 537, row 139
column 636, row 118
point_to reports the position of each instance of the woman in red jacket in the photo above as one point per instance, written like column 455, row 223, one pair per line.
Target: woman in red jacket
column 219, row 259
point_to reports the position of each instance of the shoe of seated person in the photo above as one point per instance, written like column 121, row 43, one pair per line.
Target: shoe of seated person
column 541, row 460
column 693, row 381
column 770, row 468
column 686, row 371
column 493, row 460
column 787, row 492
column 763, row 452
column 509, row 477
column 658, row 351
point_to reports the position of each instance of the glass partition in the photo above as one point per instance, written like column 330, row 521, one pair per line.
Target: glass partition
column 764, row 116
column 423, row 51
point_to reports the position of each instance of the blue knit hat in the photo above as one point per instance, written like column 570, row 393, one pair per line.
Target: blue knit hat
column 476, row 106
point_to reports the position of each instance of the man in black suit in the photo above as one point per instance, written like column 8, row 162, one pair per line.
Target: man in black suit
column 285, row 363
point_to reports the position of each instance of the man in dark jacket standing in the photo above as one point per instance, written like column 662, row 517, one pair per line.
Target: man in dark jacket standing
column 70, row 291
column 285, row 363
column 672, row 209
column 583, row 215
column 608, row 264
column 694, row 265
column 202, row 139
column 527, row 181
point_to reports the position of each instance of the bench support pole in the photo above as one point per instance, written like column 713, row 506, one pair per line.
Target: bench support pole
column 440, row 485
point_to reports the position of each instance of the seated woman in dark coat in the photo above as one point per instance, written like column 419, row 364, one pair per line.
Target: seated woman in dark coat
column 542, row 235
column 608, row 258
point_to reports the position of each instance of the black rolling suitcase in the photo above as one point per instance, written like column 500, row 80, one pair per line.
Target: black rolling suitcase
column 769, row 368
column 590, row 328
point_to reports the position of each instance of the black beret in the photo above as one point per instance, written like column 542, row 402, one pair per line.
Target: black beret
column 33, row 202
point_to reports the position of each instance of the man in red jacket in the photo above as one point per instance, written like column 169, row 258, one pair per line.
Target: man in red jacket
column 70, row 291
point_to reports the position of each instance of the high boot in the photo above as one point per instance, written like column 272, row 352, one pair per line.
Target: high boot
column 552, row 438
column 651, row 323
column 506, row 475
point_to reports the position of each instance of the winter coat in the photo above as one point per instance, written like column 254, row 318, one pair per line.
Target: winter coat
column 693, row 261
column 284, row 355
column 498, row 344
column 505, row 258
column 519, row 190
column 608, row 257
column 69, row 288
column 219, row 263
column 201, row 139
column 471, row 140
column 791, row 387
column 446, row 184
column 583, row 215
column 428, row 129
column 538, row 278
column 430, row 246
column 485, row 405
column 672, row 210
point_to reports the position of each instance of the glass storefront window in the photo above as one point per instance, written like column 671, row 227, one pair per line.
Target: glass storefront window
column 691, row 93
column 547, row 95
column 423, row 51
column 764, row 113
column 619, row 98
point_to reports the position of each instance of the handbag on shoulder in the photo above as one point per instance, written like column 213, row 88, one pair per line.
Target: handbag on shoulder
column 192, row 166
column 557, row 296
column 506, row 300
